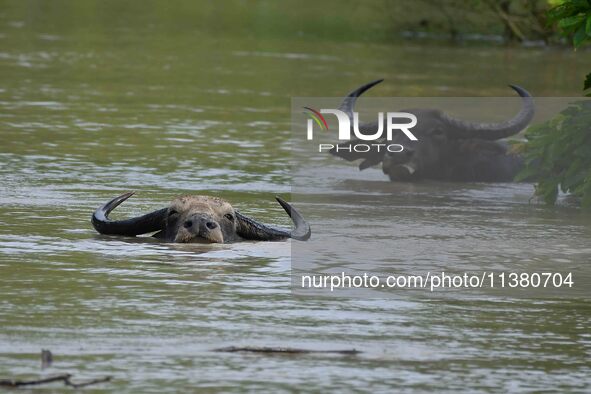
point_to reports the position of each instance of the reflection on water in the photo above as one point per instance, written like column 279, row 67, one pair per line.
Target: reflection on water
column 87, row 112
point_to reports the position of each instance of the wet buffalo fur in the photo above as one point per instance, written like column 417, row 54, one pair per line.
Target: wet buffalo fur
column 199, row 219
column 460, row 160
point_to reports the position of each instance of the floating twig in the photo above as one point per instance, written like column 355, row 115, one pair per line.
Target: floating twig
column 66, row 378
column 285, row 350
column 88, row 382
column 17, row 383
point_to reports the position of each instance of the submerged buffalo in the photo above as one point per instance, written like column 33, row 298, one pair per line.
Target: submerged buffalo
column 199, row 219
column 447, row 149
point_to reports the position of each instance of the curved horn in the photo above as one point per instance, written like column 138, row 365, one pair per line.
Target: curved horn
column 348, row 103
column 495, row 131
column 252, row 230
column 140, row 225
column 347, row 106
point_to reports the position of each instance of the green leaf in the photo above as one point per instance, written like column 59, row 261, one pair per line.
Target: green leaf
column 571, row 22
column 562, row 11
column 588, row 26
column 573, row 178
column 558, row 153
column 580, row 37
column 529, row 172
column 587, row 84
column 548, row 190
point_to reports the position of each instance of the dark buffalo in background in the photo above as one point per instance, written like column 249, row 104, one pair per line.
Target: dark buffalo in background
column 447, row 149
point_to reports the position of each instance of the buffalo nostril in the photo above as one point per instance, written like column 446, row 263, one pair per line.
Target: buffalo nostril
column 188, row 224
column 211, row 225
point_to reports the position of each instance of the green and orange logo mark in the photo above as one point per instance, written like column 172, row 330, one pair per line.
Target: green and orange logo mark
column 317, row 117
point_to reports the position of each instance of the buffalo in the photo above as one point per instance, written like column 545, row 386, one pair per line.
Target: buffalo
column 447, row 149
column 198, row 219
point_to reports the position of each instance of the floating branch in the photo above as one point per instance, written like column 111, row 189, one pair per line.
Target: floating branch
column 88, row 382
column 66, row 378
column 284, row 350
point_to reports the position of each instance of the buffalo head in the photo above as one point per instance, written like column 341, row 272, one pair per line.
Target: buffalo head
column 446, row 148
column 199, row 219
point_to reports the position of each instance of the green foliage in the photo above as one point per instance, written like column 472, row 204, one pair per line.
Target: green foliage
column 587, row 83
column 574, row 19
column 558, row 154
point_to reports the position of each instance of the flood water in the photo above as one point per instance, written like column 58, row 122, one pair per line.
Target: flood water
column 91, row 110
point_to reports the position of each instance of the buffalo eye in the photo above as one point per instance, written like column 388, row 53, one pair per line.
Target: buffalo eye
column 229, row 216
column 172, row 212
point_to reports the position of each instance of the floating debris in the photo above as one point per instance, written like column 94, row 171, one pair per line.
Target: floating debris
column 46, row 361
column 285, row 350
column 46, row 358
column 66, row 378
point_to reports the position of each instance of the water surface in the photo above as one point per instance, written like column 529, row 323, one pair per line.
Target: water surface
column 109, row 100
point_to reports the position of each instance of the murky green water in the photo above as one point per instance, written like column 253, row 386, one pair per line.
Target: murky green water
column 97, row 100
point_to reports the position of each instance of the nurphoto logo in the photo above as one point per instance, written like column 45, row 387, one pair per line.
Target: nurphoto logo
column 344, row 130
